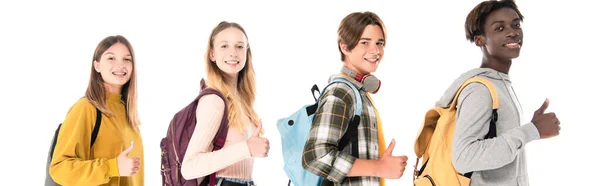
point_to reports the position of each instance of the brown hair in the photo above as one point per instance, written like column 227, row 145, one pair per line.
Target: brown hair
column 245, row 81
column 476, row 18
column 352, row 27
column 96, row 92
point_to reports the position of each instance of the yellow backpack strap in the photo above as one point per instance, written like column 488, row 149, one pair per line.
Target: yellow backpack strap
column 477, row 79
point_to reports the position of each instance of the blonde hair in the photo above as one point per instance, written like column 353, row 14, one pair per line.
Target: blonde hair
column 96, row 92
column 245, row 81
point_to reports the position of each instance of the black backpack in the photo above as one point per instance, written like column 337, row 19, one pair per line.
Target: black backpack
column 49, row 181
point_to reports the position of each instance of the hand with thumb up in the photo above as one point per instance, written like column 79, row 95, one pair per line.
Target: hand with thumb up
column 259, row 146
column 391, row 167
column 547, row 124
column 128, row 166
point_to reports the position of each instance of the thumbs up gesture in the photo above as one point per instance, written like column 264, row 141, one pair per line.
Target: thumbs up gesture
column 390, row 166
column 128, row 166
column 259, row 146
column 547, row 123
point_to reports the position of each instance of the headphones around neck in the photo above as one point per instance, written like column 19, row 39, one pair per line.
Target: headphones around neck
column 370, row 82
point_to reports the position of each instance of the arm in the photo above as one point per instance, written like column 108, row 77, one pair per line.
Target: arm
column 321, row 155
column 199, row 160
column 470, row 152
column 70, row 164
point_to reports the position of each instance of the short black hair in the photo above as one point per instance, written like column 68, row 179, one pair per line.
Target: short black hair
column 476, row 18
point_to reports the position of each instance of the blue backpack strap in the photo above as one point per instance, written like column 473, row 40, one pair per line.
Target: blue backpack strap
column 357, row 98
column 351, row 133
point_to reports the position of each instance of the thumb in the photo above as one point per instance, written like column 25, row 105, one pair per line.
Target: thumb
column 390, row 148
column 258, row 129
column 128, row 150
column 543, row 108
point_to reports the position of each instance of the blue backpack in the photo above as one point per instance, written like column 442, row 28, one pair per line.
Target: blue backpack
column 294, row 132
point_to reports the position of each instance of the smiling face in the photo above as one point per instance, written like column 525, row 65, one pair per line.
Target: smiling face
column 367, row 54
column 503, row 36
column 229, row 51
column 115, row 67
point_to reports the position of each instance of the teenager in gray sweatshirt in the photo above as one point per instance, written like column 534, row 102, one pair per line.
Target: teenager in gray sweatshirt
column 494, row 26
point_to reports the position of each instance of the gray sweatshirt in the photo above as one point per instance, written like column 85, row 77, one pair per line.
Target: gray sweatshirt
column 496, row 161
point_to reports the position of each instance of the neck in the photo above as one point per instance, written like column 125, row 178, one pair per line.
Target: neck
column 348, row 65
column 113, row 88
column 232, row 79
column 496, row 64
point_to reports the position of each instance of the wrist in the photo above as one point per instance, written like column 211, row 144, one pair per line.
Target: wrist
column 248, row 148
column 113, row 167
column 377, row 168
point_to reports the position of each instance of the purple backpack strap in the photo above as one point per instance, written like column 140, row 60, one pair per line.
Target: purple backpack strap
column 219, row 140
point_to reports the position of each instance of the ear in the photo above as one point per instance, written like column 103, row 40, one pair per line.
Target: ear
column 480, row 40
column 211, row 55
column 344, row 48
column 96, row 66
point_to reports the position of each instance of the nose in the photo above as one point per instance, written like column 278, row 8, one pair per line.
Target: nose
column 232, row 52
column 512, row 33
column 120, row 63
column 374, row 49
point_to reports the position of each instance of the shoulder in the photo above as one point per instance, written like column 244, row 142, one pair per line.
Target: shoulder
column 83, row 105
column 340, row 91
column 211, row 103
column 476, row 93
column 82, row 113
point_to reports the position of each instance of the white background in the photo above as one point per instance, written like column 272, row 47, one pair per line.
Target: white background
column 46, row 49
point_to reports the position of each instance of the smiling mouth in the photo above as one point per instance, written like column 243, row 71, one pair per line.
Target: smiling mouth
column 372, row 60
column 119, row 73
column 232, row 62
column 513, row 45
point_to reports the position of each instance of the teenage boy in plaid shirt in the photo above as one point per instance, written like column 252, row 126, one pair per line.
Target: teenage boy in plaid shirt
column 361, row 40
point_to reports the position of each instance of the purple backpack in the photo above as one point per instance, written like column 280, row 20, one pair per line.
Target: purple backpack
column 180, row 132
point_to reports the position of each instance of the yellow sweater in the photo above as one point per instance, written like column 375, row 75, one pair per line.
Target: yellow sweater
column 74, row 163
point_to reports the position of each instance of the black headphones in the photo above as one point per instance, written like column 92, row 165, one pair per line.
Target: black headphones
column 370, row 82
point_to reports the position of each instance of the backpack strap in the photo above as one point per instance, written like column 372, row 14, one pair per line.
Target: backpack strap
column 487, row 83
column 495, row 103
column 351, row 133
column 94, row 132
column 96, row 126
column 219, row 140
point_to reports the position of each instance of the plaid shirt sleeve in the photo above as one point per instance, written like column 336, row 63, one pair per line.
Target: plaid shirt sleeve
column 321, row 155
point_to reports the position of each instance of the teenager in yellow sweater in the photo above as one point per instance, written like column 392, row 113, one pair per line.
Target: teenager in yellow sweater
column 116, row 158
column 229, row 70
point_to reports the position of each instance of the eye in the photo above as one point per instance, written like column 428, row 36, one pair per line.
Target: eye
column 128, row 59
column 110, row 58
column 240, row 46
column 364, row 43
column 380, row 43
column 518, row 25
column 223, row 46
column 500, row 28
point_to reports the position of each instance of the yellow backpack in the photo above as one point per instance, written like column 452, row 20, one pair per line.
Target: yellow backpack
column 434, row 142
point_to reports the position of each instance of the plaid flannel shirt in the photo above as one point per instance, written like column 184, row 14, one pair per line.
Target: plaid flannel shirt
column 336, row 109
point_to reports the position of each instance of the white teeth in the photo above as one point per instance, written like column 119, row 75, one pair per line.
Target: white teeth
column 119, row 73
column 372, row 59
column 232, row 62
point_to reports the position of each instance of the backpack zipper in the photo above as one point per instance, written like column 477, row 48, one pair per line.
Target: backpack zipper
column 176, row 156
column 430, row 179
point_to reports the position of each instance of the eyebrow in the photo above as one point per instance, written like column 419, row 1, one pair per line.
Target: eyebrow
column 369, row 39
column 114, row 54
column 225, row 41
column 516, row 19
